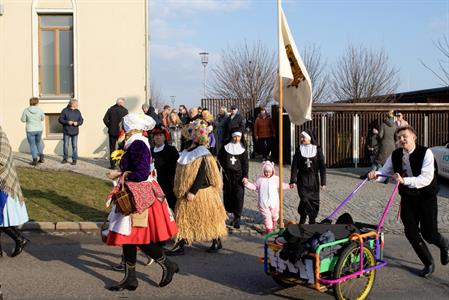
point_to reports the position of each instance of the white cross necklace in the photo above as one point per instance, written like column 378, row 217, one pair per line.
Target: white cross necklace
column 308, row 163
column 233, row 160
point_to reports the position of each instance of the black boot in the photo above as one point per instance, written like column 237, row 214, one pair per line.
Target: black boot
column 34, row 162
column 302, row 219
column 20, row 240
column 169, row 269
column 444, row 251
column 129, row 282
column 216, row 245
column 41, row 158
column 236, row 222
column 426, row 257
column 120, row 267
column 178, row 249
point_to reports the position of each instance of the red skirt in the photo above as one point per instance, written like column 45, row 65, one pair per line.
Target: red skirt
column 161, row 227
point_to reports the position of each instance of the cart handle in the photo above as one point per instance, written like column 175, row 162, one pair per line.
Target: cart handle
column 359, row 186
column 387, row 208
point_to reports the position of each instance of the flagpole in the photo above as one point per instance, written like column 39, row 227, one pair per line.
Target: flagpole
column 281, row 125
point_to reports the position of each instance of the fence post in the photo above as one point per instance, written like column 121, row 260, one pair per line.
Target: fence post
column 426, row 130
column 355, row 139
column 323, row 136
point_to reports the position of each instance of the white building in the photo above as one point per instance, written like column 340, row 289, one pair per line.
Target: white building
column 90, row 50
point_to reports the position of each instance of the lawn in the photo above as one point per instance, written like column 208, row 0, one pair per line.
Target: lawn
column 63, row 196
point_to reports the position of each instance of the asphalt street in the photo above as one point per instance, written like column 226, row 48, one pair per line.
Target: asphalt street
column 77, row 266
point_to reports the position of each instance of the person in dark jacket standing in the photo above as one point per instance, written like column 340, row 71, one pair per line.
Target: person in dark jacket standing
column 112, row 120
column 235, row 123
column 414, row 167
column 71, row 120
column 308, row 168
column 386, row 138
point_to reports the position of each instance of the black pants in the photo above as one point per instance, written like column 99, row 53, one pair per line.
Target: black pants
column 419, row 216
column 265, row 147
column 112, row 144
column 152, row 250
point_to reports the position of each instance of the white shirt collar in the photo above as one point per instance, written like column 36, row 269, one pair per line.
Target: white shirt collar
column 159, row 149
column 136, row 137
column 308, row 150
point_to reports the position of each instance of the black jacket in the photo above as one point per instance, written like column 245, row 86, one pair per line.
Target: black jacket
column 237, row 123
column 113, row 117
column 68, row 114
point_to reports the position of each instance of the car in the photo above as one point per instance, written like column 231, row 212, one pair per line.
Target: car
column 441, row 154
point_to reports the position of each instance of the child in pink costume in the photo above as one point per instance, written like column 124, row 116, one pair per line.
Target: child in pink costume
column 267, row 187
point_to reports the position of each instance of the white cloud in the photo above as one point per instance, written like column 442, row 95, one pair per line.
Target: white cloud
column 160, row 29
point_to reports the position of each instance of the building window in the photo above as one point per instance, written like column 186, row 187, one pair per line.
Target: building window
column 56, row 56
column 53, row 129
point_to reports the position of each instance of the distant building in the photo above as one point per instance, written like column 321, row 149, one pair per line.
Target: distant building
column 91, row 50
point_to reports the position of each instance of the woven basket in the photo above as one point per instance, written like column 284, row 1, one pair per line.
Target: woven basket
column 123, row 199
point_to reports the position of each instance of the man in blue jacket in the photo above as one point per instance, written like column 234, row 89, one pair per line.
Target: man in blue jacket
column 71, row 119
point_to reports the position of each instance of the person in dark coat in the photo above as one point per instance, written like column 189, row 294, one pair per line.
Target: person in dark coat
column 219, row 128
column 386, row 138
column 71, row 120
column 234, row 161
column 235, row 123
column 165, row 158
column 307, row 169
column 112, row 119
column 414, row 167
column 183, row 114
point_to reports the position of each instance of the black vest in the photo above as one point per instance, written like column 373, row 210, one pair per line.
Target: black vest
column 416, row 161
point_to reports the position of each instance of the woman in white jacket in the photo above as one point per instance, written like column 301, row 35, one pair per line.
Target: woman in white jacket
column 267, row 186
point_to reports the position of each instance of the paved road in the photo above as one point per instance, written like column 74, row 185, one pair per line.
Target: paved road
column 77, row 266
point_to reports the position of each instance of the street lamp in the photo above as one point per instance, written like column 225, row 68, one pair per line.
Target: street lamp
column 172, row 101
column 204, row 61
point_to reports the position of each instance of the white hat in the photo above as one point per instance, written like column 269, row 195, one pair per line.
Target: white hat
column 138, row 121
column 306, row 135
column 236, row 133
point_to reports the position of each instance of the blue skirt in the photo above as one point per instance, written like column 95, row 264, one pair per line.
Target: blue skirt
column 13, row 213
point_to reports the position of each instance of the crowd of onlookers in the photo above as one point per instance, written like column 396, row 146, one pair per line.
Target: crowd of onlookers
column 173, row 120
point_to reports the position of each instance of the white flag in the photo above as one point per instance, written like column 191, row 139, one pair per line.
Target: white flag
column 296, row 84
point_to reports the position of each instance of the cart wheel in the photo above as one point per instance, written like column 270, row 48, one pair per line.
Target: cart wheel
column 358, row 287
column 282, row 282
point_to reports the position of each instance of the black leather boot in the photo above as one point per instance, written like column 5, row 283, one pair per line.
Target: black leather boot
column 129, row 282
column 41, row 158
column 34, row 162
column 169, row 269
column 20, row 240
column 216, row 245
column 236, row 222
column 426, row 257
column 178, row 249
column 444, row 251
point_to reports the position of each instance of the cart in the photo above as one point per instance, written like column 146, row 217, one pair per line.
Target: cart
column 338, row 263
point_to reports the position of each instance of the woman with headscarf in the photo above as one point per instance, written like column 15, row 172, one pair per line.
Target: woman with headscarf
column 307, row 169
column 234, row 161
column 200, row 214
column 13, row 211
column 152, row 222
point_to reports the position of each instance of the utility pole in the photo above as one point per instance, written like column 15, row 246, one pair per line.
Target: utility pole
column 204, row 61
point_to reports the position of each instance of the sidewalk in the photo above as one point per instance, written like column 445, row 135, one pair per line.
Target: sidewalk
column 366, row 206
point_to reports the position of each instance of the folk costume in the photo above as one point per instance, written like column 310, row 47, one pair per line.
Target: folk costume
column 13, row 211
column 307, row 169
column 165, row 158
column 202, row 218
column 419, row 206
column 234, row 161
column 152, row 222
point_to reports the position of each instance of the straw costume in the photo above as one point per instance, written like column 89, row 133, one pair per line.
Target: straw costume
column 203, row 217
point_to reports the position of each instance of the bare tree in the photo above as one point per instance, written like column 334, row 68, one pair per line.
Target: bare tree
column 364, row 75
column 316, row 67
column 155, row 96
column 247, row 72
column 442, row 72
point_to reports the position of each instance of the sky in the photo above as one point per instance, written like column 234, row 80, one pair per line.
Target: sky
column 181, row 29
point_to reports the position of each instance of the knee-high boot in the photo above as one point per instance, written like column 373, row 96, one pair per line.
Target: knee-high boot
column 169, row 269
column 18, row 238
column 129, row 282
column 426, row 257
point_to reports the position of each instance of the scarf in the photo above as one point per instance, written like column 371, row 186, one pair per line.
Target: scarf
column 9, row 183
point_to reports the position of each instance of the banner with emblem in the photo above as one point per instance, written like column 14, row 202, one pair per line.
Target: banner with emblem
column 295, row 81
